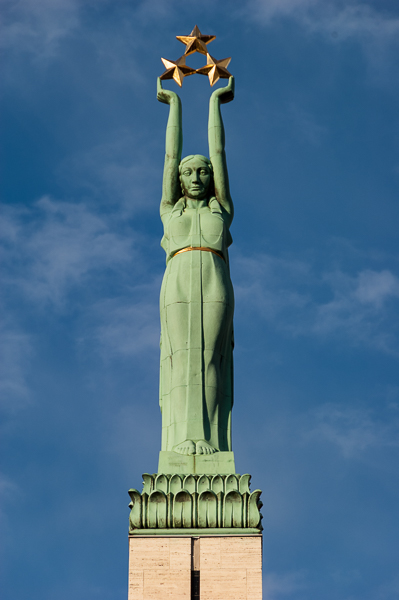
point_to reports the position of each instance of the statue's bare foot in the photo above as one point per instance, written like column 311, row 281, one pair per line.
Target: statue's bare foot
column 186, row 447
column 203, row 447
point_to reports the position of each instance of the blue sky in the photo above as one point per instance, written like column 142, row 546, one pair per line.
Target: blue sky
column 312, row 149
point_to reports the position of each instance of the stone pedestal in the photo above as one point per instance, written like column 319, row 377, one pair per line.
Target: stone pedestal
column 205, row 567
column 195, row 537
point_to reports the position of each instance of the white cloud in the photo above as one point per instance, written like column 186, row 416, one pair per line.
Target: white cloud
column 389, row 590
column 291, row 296
column 43, row 32
column 8, row 492
column 267, row 10
column 299, row 123
column 37, row 26
column 355, row 431
column 276, row 586
column 54, row 252
column 359, row 308
column 375, row 28
column 86, row 265
column 57, row 246
column 305, row 124
column 374, row 288
column 346, row 19
column 124, row 327
column 355, row 19
column 118, row 172
column 15, row 352
column 268, row 283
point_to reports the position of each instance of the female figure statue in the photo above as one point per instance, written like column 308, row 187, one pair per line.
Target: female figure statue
column 197, row 300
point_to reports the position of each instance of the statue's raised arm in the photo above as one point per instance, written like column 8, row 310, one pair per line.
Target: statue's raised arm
column 216, row 140
column 171, row 189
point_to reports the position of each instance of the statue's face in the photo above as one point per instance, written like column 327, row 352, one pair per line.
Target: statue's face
column 196, row 178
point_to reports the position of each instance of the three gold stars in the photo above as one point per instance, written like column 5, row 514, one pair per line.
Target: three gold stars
column 196, row 42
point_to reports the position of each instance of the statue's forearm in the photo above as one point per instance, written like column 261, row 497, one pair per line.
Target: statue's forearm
column 216, row 136
column 217, row 153
column 173, row 150
column 174, row 134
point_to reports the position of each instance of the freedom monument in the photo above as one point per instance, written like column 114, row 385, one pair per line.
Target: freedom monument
column 195, row 528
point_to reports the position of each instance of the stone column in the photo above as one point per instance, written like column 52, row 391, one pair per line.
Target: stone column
column 205, row 567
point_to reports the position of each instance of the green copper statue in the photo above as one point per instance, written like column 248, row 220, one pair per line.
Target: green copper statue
column 197, row 299
column 196, row 490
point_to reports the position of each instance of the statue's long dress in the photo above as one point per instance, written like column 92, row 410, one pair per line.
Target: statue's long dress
column 196, row 305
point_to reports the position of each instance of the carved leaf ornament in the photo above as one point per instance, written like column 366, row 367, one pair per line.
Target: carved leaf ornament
column 195, row 501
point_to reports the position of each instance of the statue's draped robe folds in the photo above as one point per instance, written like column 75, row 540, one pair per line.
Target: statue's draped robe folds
column 196, row 306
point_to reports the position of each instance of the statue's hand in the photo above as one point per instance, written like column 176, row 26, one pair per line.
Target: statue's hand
column 165, row 96
column 225, row 94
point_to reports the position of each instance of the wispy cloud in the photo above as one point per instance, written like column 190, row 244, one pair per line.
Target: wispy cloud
column 9, row 490
column 293, row 297
column 117, row 172
column 15, row 353
column 37, row 27
column 276, row 585
column 346, row 19
column 55, row 257
column 270, row 283
column 69, row 259
column 128, row 325
column 42, row 33
column 305, row 124
column 374, row 27
column 354, row 431
column 360, row 307
column 56, row 246
column 296, row 122
column 267, row 10
column 389, row 590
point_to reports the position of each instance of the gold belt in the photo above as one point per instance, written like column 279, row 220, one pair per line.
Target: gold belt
column 189, row 248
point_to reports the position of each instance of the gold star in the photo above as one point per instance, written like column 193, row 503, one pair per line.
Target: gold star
column 176, row 70
column 215, row 69
column 195, row 42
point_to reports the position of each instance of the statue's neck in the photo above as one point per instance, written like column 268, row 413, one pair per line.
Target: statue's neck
column 191, row 203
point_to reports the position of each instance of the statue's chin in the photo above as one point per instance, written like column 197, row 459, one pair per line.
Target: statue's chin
column 199, row 196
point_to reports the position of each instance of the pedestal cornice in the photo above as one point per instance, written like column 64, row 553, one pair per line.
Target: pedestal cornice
column 195, row 503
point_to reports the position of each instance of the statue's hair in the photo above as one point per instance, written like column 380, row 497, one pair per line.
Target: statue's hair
column 200, row 157
column 203, row 159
